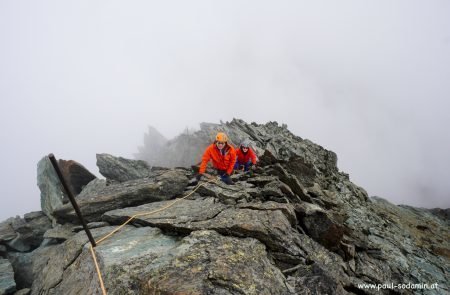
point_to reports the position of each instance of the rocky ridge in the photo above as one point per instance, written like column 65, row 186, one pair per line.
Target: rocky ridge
column 296, row 226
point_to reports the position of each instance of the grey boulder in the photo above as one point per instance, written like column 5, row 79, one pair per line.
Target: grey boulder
column 24, row 234
column 145, row 261
column 120, row 169
column 7, row 283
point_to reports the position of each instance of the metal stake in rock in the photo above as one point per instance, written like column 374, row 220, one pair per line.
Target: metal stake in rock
column 71, row 198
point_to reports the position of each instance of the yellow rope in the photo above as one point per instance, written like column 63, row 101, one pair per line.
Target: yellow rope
column 131, row 218
column 99, row 274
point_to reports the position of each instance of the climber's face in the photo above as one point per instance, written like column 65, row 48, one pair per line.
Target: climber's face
column 220, row 144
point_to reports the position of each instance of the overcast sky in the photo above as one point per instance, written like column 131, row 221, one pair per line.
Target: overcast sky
column 369, row 80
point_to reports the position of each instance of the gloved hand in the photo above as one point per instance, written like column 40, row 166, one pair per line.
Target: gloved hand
column 227, row 179
column 199, row 177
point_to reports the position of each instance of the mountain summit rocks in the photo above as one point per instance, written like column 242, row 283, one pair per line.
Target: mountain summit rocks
column 296, row 226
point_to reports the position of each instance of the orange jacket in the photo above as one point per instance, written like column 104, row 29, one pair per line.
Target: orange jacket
column 219, row 161
column 244, row 158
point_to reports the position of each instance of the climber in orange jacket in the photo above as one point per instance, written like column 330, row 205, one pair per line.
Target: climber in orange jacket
column 223, row 157
column 246, row 157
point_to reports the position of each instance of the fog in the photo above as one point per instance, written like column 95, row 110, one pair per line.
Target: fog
column 368, row 80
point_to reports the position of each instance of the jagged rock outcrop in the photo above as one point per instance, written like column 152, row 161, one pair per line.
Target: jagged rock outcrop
column 296, row 225
column 120, row 169
column 24, row 234
column 52, row 193
column 145, row 261
column 163, row 186
column 7, row 283
column 22, row 266
column 271, row 223
column 7, row 232
column 19, row 236
column 319, row 225
column 154, row 143
column 76, row 175
column 304, row 157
